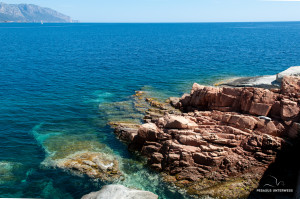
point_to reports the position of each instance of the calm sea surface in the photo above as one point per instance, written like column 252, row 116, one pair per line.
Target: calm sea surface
column 54, row 78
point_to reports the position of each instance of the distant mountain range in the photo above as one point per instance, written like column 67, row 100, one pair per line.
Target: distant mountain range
column 30, row 13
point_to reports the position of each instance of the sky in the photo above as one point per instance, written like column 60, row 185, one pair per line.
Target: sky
column 173, row 10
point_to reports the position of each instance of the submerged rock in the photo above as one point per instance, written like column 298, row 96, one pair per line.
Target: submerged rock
column 11, row 172
column 93, row 164
column 120, row 192
column 80, row 154
column 61, row 146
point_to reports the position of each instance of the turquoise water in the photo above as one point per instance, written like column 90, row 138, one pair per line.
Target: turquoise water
column 54, row 78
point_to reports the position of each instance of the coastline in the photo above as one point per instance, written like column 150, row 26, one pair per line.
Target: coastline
column 61, row 97
column 179, row 144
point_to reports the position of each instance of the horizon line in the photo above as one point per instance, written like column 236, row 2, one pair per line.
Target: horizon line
column 162, row 22
column 190, row 21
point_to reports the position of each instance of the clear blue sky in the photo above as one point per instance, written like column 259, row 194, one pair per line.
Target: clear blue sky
column 173, row 10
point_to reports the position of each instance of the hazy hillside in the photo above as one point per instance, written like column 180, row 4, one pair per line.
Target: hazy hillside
column 30, row 13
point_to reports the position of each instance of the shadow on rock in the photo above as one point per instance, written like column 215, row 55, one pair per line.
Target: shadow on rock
column 280, row 179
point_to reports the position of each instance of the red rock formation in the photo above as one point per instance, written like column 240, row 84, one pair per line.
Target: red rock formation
column 255, row 101
column 291, row 86
column 223, row 142
column 220, row 136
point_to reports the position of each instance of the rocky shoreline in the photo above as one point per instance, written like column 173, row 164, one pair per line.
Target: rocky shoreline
column 217, row 141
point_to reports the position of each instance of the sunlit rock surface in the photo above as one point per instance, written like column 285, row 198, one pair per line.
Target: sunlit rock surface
column 120, row 192
column 94, row 164
column 223, row 142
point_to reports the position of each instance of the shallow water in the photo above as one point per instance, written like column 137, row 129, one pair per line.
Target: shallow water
column 60, row 84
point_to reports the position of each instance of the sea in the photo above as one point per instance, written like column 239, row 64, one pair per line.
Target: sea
column 61, row 84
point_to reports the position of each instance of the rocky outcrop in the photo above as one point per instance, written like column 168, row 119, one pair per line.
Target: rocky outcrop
column 223, row 142
column 225, row 139
column 120, row 192
column 280, row 104
column 150, row 109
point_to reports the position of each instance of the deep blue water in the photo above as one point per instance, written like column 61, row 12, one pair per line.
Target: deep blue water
column 53, row 77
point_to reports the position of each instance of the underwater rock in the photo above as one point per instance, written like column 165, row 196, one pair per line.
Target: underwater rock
column 93, row 164
column 78, row 150
column 11, row 172
column 120, row 192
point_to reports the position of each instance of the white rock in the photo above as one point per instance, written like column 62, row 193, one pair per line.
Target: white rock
column 292, row 71
column 263, row 80
column 120, row 192
column 266, row 81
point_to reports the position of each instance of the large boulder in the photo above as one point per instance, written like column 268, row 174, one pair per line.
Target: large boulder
column 203, row 96
column 290, row 85
column 126, row 131
column 174, row 101
column 179, row 122
column 292, row 71
column 243, row 122
column 260, row 109
column 116, row 191
column 289, row 109
column 148, row 132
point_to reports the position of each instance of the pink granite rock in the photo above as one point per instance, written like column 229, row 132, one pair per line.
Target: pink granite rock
column 148, row 132
column 222, row 132
column 289, row 109
column 290, row 85
column 178, row 122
